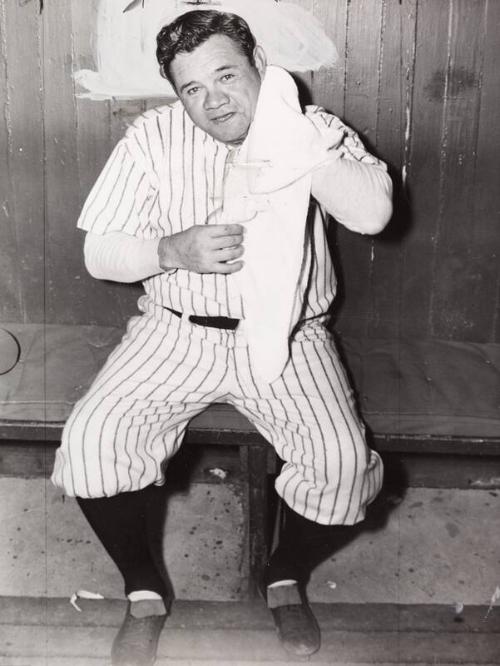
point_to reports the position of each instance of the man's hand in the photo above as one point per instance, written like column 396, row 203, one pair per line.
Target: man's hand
column 204, row 248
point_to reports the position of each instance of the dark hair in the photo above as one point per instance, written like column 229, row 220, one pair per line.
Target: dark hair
column 193, row 28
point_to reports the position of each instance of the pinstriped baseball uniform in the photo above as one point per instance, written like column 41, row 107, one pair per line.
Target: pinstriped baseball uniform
column 163, row 177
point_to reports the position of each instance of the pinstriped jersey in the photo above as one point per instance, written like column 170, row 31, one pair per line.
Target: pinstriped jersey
column 166, row 175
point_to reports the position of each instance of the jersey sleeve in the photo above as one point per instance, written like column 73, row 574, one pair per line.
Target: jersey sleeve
column 352, row 147
column 355, row 188
column 120, row 193
column 119, row 257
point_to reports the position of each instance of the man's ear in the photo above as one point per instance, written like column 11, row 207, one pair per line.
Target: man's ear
column 260, row 60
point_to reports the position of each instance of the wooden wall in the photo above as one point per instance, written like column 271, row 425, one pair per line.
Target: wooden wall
column 417, row 78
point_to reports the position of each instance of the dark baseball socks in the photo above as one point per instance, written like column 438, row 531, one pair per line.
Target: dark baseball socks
column 303, row 544
column 129, row 526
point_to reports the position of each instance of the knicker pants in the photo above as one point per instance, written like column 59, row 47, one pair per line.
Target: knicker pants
column 166, row 370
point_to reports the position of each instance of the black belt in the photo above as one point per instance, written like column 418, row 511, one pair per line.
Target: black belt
column 213, row 322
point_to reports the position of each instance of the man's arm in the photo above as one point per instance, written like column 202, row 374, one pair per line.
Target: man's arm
column 120, row 257
column 356, row 194
column 116, row 219
column 354, row 186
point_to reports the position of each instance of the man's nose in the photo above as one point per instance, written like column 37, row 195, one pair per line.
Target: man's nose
column 215, row 98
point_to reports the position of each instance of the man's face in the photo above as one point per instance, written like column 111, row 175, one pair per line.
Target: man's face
column 219, row 87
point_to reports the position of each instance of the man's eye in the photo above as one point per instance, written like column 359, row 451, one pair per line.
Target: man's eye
column 227, row 77
column 193, row 90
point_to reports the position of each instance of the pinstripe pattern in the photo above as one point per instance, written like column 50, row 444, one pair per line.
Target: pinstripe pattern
column 309, row 416
column 163, row 177
column 122, row 433
column 166, row 175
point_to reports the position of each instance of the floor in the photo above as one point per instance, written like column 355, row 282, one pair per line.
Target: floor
column 419, row 585
column 434, row 546
column 51, row 633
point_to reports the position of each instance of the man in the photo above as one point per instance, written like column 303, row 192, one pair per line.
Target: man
column 154, row 215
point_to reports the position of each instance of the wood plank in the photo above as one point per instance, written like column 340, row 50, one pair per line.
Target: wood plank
column 93, row 118
column 427, row 444
column 74, row 156
column 27, row 449
column 123, row 114
column 31, row 460
column 457, row 263
column 168, row 661
column 432, row 470
column 64, row 261
column 361, row 93
column 11, row 302
column 423, row 183
column 254, row 464
column 363, row 68
column 304, row 79
column 102, row 300
column 328, row 83
column 352, row 633
column 22, row 204
column 392, row 141
column 483, row 310
column 57, row 612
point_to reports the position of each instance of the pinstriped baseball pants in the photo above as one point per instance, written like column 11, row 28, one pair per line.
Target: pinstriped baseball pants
column 166, row 370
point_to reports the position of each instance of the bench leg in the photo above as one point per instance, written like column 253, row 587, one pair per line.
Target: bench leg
column 254, row 462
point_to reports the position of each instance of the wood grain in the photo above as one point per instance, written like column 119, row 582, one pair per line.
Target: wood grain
column 483, row 310
column 424, row 169
column 64, row 261
column 457, row 267
column 96, row 135
column 23, row 209
column 11, row 301
column 419, row 79
column 328, row 83
column 396, row 82
column 362, row 79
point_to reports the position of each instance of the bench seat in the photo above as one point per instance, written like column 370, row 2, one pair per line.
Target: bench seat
column 411, row 393
column 416, row 397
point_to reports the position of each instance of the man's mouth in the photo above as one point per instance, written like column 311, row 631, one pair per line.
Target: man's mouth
column 224, row 118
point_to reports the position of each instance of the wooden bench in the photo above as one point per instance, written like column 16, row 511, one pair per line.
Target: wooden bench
column 418, row 398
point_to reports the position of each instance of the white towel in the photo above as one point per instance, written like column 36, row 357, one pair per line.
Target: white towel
column 267, row 188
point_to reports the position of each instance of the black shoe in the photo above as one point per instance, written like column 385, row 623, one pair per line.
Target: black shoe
column 137, row 640
column 294, row 620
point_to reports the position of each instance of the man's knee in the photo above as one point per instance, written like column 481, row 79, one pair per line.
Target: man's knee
column 78, row 468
